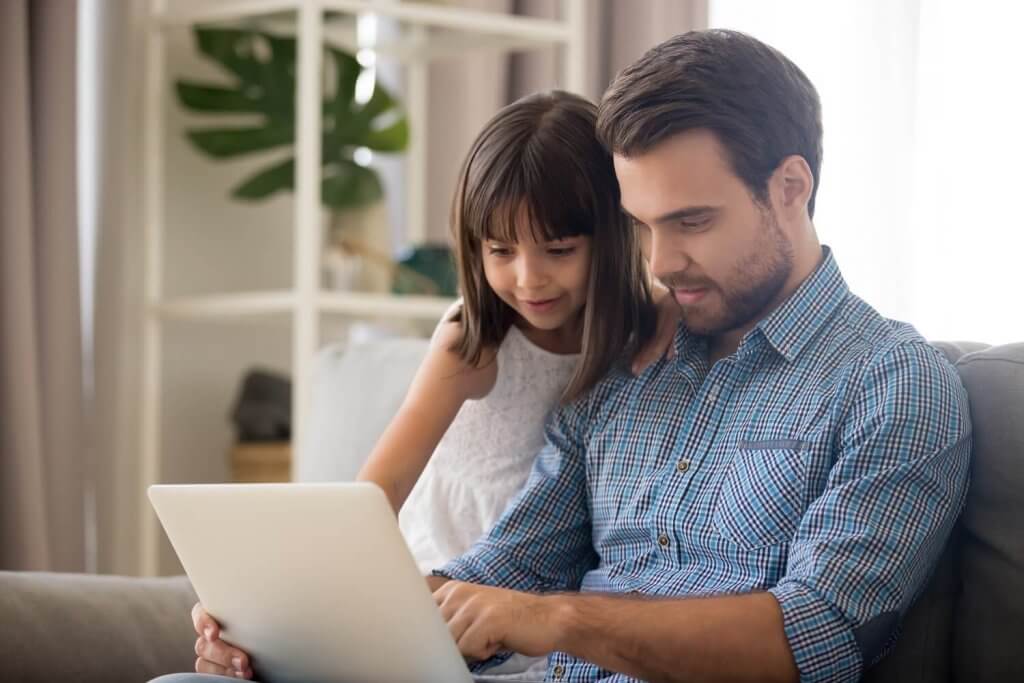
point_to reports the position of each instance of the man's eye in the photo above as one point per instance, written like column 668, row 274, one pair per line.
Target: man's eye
column 695, row 224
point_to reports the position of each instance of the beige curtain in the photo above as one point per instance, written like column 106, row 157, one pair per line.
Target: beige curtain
column 464, row 94
column 42, row 462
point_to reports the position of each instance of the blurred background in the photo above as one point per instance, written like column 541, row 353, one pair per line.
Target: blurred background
column 192, row 205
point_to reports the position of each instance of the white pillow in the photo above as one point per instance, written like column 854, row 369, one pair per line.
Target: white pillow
column 355, row 393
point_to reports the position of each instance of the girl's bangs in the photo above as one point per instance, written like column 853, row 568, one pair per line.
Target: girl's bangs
column 548, row 201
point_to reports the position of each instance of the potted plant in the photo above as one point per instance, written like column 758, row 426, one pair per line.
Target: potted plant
column 261, row 66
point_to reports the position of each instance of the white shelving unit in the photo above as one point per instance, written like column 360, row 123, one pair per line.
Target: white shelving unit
column 433, row 31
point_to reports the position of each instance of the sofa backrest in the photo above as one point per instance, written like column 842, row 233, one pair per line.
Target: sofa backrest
column 969, row 622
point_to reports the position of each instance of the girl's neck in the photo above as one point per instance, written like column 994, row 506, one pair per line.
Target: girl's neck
column 565, row 340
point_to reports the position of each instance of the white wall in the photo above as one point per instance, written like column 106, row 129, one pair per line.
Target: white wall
column 213, row 244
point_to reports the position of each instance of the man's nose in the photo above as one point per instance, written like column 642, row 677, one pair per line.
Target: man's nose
column 665, row 257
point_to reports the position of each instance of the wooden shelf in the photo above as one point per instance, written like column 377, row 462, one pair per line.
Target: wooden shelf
column 487, row 25
column 250, row 304
column 261, row 462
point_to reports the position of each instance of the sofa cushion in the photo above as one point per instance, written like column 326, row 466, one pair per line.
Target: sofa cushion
column 356, row 391
column 93, row 629
column 989, row 618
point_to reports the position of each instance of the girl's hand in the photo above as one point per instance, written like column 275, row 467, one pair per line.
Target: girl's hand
column 216, row 656
column 661, row 343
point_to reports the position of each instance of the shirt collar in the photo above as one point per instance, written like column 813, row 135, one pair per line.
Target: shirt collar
column 795, row 322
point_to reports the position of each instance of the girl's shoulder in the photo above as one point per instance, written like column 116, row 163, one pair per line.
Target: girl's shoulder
column 471, row 381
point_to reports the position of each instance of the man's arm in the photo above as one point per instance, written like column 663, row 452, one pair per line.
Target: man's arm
column 543, row 540
column 866, row 547
column 733, row 638
column 862, row 552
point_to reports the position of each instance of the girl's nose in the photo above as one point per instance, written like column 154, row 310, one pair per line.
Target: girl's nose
column 530, row 274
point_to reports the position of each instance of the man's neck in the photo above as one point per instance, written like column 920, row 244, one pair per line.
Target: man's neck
column 725, row 344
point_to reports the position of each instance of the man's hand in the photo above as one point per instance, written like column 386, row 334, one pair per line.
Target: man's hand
column 485, row 620
column 216, row 656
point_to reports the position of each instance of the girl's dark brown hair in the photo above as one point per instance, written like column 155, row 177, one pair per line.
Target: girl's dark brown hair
column 539, row 157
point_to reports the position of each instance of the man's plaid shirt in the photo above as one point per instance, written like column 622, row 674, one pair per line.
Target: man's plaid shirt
column 825, row 461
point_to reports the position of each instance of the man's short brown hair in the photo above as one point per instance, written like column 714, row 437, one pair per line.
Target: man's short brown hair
column 759, row 104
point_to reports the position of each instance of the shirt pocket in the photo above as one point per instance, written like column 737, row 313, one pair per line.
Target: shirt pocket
column 763, row 493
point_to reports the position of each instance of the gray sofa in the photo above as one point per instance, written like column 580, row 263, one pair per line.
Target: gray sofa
column 967, row 626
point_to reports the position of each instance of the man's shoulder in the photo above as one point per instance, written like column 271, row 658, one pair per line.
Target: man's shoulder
column 889, row 362
column 859, row 337
column 868, row 330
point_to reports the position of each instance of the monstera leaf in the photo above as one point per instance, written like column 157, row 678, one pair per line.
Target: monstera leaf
column 262, row 68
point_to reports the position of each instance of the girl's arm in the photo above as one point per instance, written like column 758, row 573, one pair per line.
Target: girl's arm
column 441, row 385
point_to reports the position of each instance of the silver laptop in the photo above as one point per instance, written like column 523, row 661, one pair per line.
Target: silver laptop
column 313, row 580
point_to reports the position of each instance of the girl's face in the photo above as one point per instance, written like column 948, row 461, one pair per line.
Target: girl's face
column 544, row 282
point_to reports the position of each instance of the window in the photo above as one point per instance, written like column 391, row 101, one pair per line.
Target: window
column 924, row 151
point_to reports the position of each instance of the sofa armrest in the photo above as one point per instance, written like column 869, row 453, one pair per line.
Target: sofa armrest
column 86, row 628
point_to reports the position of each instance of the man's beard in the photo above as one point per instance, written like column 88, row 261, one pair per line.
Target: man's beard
column 755, row 282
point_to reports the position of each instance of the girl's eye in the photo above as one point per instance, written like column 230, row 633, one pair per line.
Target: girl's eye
column 498, row 251
column 561, row 251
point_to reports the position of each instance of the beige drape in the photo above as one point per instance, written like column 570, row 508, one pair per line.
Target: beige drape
column 42, row 458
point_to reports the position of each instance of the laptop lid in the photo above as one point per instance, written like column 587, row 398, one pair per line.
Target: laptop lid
column 314, row 581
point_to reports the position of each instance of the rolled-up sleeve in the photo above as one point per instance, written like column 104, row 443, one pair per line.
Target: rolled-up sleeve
column 867, row 545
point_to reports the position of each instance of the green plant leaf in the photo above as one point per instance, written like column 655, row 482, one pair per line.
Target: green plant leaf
column 261, row 68
column 223, row 143
column 381, row 101
column 350, row 186
column 348, row 69
column 209, row 98
column 267, row 182
column 231, row 48
column 394, row 138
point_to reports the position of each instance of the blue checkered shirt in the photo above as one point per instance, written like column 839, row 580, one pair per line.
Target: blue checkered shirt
column 825, row 461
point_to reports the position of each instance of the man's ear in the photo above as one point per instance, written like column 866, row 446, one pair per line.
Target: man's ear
column 791, row 186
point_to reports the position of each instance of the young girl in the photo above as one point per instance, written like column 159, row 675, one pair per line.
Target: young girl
column 554, row 294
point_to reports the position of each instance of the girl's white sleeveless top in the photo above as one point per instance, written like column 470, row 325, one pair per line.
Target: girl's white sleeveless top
column 485, row 457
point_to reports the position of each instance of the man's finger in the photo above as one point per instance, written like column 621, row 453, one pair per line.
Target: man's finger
column 474, row 642
column 444, row 590
column 457, row 625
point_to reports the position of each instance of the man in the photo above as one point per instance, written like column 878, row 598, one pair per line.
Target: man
column 767, row 504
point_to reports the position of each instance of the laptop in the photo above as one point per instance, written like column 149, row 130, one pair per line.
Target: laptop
column 314, row 581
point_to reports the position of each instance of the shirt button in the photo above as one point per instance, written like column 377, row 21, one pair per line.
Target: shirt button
column 663, row 541
column 683, row 465
column 558, row 672
column 713, row 393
